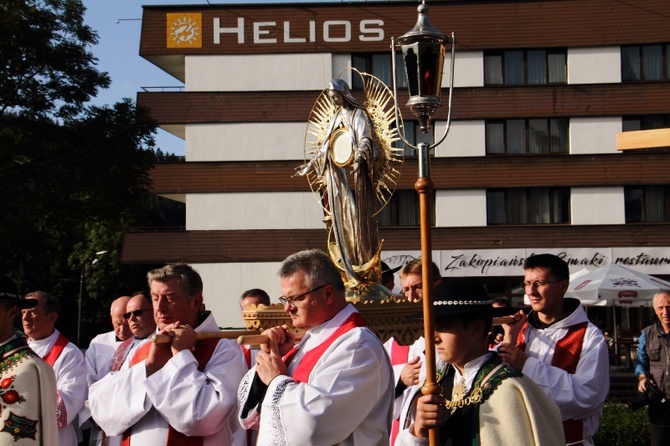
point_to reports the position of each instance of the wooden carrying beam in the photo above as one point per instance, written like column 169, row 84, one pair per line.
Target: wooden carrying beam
column 643, row 139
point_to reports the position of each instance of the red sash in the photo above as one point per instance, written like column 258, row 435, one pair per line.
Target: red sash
column 399, row 355
column 56, row 350
column 202, row 351
column 120, row 355
column 309, row 360
column 51, row 358
column 566, row 356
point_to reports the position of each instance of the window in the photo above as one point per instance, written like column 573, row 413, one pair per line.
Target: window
column 403, row 210
column 414, row 135
column 647, row 204
column 530, row 67
column 540, row 205
column 527, row 136
column 648, row 122
column 645, row 62
column 379, row 65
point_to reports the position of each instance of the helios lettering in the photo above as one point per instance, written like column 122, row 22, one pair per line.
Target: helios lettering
column 271, row 32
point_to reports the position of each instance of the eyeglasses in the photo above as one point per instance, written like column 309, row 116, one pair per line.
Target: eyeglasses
column 538, row 283
column 293, row 300
column 136, row 313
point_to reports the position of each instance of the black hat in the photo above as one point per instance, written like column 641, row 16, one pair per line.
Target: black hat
column 9, row 293
column 463, row 297
column 388, row 270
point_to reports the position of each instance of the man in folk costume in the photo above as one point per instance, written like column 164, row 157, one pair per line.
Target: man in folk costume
column 336, row 386
column 482, row 400
column 180, row 393
column 99, row 358
column 68, row 362
column 27, row 383
column 559, row 348
column 408, row 359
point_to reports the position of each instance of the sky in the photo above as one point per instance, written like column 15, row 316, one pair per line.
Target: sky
column 118, row 24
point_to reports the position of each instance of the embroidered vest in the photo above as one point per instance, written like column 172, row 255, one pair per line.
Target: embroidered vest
column 566, row 356
column 202, row 351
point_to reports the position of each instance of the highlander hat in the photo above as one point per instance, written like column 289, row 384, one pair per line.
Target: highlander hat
column 9, row 293
column 463, row 297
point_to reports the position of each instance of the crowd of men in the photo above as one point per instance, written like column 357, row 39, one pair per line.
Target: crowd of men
column 544, row 383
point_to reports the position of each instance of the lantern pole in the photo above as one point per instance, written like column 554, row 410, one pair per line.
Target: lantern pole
column 423, row 57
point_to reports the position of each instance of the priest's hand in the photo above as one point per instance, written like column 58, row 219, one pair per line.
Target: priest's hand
column 284, row 338
column 184, row 337
column 512, row 330
column 512, row 355
column 431, row 412
column 269, row 362
column 159, row 354
column 409, row 375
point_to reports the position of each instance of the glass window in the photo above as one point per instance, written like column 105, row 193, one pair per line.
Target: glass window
column 647, row 204
column 646, row 122
column 645, row 62
column 379, row 65
column 520, row 206
column 403, row 210
column 526, row 136
column 414, row 135
column 532, row 67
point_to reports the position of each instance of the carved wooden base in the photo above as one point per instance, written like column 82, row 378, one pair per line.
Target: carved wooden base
column 386, row 319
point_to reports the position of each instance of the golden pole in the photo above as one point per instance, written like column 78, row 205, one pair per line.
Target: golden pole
column 424, row 186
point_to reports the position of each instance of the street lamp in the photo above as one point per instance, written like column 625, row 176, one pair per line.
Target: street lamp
column 423, row 50
column 82, row 270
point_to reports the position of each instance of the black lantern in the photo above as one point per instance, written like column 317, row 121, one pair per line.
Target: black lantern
column 423, row 51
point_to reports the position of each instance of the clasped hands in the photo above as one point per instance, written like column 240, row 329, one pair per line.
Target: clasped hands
column 183, row 338
column 269, row 363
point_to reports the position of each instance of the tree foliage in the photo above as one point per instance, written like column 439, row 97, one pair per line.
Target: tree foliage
column 75, row 177
column 46, row 67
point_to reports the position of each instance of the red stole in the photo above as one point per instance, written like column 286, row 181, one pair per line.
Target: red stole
column 309, row 360
column 56, row 350
column 51, row 358
column 120, row 355
column 202, row 351
column 399, row 355
column 566, row 356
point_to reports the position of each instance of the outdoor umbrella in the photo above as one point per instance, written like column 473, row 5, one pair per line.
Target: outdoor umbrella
column 615, row 285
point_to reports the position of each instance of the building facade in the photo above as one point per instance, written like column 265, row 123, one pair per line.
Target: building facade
column 530, row 164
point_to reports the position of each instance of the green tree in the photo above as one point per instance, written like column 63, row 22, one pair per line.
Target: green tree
column 46, row 68
column 75, row 177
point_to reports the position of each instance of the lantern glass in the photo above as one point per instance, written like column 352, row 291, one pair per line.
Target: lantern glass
column 423, row 67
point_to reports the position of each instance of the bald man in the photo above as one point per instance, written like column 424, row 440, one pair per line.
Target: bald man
column 100, row 352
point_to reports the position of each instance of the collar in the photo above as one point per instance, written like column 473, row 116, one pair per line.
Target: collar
column 320, row 333
column 471, row 369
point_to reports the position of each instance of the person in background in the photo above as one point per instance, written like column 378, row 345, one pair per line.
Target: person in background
column 177, row 392
column 254, row 296
column 27, row 383
column 99, row 359
column 388, row 276
column 652, row 365
column 408, row 359
column 333, row 388
column 482, row 400
column 68, row 362
column 559, row 348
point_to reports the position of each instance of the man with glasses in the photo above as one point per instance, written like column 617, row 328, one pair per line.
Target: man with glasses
column 335, row 386
column 559, row 348
column 177, row 393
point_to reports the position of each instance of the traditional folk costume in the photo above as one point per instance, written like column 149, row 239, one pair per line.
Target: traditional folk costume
column 400, row 355
column 69, row 366
column 28, row 393
column 190, row 401
column 492, row 405
column 569, row 361
column 338, row 390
